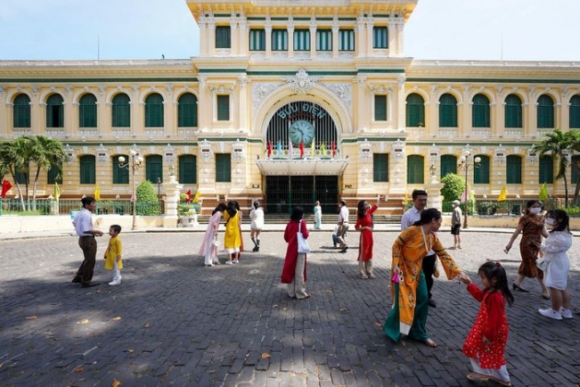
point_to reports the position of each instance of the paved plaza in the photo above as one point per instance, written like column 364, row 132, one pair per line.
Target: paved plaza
column 173, row 322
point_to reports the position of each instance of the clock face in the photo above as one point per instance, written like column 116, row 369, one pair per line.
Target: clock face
column 301, row 131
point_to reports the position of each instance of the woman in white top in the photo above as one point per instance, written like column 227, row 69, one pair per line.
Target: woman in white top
column 555, row 246
column 317, row 215
column 257, row 218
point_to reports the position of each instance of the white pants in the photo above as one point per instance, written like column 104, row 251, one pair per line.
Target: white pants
column 116, row 272
column 500, row 374
column 297, row 288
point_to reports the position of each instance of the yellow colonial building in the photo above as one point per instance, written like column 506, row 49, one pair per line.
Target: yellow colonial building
column 292, row 102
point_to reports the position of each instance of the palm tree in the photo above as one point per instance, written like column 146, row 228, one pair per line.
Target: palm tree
column 557, row 144
column 47, row 154
column 573, row 139
column 14, row 156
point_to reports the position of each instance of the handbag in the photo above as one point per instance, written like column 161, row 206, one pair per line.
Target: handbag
column 216, row 241
column 303, row 247
column 542, row 263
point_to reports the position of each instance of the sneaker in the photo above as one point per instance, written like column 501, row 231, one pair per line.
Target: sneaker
column 549, row 312
column 216, row 262
column 229, row 263
column 566, row 313
column 115, row 282
column 235, row 261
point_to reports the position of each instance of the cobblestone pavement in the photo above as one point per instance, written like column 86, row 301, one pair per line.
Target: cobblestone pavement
column 173, row 322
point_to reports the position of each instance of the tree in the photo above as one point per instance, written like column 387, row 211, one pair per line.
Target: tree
column 557, row 144
column 147, row 201
column 15, row 156
column 573, row 138
column 453, row 187
column 47, row 154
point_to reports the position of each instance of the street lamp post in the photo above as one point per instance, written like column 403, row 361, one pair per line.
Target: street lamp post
column 135, row 162
column 465, row 162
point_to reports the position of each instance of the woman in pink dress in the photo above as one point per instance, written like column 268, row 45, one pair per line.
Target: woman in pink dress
column 208, row 248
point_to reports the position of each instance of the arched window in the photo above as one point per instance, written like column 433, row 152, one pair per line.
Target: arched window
column 481, row 172
column 514, row 169
column 415, row 111
column 546, row 170
column 188, row 169
column 88, row 111
column 447, row 111
column 187, row 111
column 513, row 111
column 87, row 169
column 154, row 168
column 415, row 169
column 545, row 111
column 154, row 111
column 480, row 112
column 448, row 165
column 121, row 111
column 54, row 112
column 120, row 174
column 575, row 112
column 21, row 117
column 54, row 174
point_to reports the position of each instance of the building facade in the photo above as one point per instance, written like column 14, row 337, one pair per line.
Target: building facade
column 296, row 101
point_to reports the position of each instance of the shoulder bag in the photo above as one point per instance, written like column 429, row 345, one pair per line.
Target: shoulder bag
column 303, row 247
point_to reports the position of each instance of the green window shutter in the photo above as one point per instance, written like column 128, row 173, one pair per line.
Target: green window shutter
column 54, row 112
column 54, row 175
column 545, row 112
column 415, row 169
column 279, row 40
column 223, row 107
column 575, row 112
column 120, row 174
column 480, row 112
column 575, row 166
column 88, row 111
column 380, row 107
column 448, row 165
column 21, row 177
column 481, row 172
column 380, row 167
column 223, row 37
column 447, row 111
column 87, row 169
column 513, row 111
column 257, row 40
column 223, row 168
column 21, row 118
column 188, row 169
column 324, row 40
column 154, row 168
column 346, row 40
column 302, row 40
column 415, row 111
column 380, row 37
column 546, row 170
column 187, row 111
column 154, row 111
column 514, row 170
column 121, row 111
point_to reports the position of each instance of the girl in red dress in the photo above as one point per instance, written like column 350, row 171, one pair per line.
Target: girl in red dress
column 485, row 343
column 364, row 224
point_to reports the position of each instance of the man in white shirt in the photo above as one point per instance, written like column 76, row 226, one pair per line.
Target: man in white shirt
column 412, row 215
column 342, row 226
column 83, row 223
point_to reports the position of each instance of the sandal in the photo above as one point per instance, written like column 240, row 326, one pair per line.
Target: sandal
column 500, row 382
column 475, row 377
column 430, row 343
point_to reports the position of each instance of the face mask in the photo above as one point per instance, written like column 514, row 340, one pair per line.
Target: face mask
column 549, row 221
column 535, row 210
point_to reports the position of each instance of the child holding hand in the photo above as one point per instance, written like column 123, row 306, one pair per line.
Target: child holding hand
column 113, row 254
column 486, row 342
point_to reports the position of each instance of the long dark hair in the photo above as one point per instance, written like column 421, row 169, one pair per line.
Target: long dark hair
column 297, row 213
column 362, row 211
column 494, row 270
column 220, row 207
column 427, row 216
column 561, row 217
column 232, row 208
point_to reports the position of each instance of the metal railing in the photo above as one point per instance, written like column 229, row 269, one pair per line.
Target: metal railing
column 63, row 207
column 511, row 207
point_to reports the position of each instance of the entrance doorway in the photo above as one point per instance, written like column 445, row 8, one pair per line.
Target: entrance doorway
column 285, row 192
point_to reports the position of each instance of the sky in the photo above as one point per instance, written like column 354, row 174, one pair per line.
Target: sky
column 538, row 30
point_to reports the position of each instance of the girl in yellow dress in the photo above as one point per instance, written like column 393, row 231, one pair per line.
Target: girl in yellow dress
column 232, row 236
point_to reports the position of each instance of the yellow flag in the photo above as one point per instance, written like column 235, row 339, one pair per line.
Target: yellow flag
column 97, row 192
column 543, row 195
column 405, row 199
column 196, row 197
column 503, row 194
column 56, row 191
column 322, row 150
column 312, row 149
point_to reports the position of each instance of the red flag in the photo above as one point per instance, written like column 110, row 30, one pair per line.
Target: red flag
column 301, row 147
column 333, row 147
column 188, row 200
column 5, row 188
column 269, row 149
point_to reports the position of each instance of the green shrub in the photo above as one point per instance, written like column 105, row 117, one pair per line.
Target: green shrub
column 453, row 187
column 147, row 201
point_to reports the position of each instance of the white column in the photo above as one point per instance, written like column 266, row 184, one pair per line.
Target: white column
column 244, row 47
column 313, row 38
column 290, row 41
column 36, row 118
column 361, row 38
column 467, row 108
column 169, row 111
column 234, row 36
column 268, row 38
column 335, row 38
column 558, row 116
column 401, row 38
column 204, row 105
column 137, row 120
column 370, row 50
column 203, row 37
column 401, row 103
column 71, row 112
column 103, row 112
column 530, row 113
column 362, row 118
column 392, row 31
column 211, row 38
column 242, row 96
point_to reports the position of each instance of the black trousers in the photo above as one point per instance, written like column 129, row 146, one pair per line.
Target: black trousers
column 89, row 247
column 428, row 269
